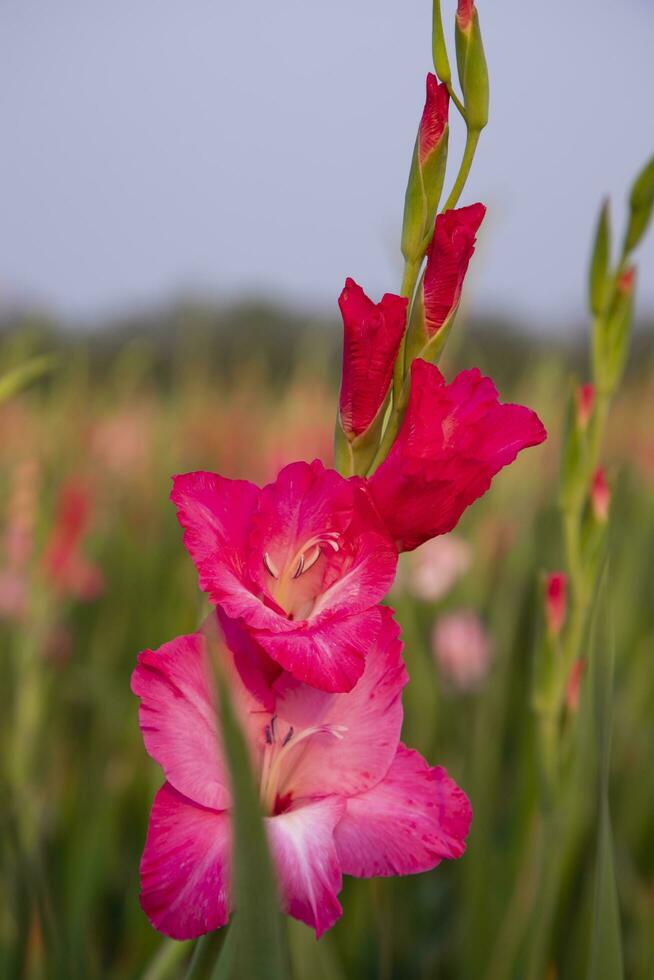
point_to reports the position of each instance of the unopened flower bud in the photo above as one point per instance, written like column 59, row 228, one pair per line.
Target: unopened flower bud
column 427, row 170
column 556, row 602
column 585, row 396
column 600, row 496
column 372, row 336
column 439, row 292
column 573, row 687
column 471, row 63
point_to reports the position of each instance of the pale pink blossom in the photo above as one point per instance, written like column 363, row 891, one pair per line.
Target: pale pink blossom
column 462, row 649
column 434, row 567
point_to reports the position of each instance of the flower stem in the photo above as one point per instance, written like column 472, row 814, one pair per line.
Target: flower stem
column 472, row 139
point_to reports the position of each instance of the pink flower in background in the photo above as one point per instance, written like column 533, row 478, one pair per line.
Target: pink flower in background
column 448, row 257
column 585, row 404
column 302, row 563
column 453, row 440
column 462, row 649
column 436, row 565
column 340, row 793
column 600, row 496
column 556, row 601
column 65, row 564
column 372, row 336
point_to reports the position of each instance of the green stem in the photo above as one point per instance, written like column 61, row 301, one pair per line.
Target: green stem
column 466, row 163
column 409, row 279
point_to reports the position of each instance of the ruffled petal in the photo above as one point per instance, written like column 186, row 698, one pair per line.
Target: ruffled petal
column 409, row 822
column 177, row 713
column 453, row 440
column 359, row 731
column 185, row 868
column 303, row 849
column 216, row 514
column 329, row 655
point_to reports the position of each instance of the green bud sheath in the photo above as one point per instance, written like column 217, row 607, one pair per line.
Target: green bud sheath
column 473, row 73
column 598, row 284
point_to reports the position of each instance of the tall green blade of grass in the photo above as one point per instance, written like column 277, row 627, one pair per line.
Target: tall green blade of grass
column 256, row 944
column 605, row 956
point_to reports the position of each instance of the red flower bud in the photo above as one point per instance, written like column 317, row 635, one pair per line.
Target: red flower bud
column 447, row 263
column 626, row 280
column 372, row 336
column 556, row 601
column 464, row 13
column 585, row 404
column 434, row 118
column 600, row 496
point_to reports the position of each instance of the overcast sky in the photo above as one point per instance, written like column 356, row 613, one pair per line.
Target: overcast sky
column 152, row 147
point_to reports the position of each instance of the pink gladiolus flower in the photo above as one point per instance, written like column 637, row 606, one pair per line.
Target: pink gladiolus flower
column 69, row 570
column 373, row 332
column 448, row 257
column 600, row 496
column 434, row 118
column 462, row 649
column 453, row 440
column 302, row 562
column 340, row 793
column 436, row 566
column 556, row 601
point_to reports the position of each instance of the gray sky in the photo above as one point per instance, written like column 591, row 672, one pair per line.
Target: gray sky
column 152, row 147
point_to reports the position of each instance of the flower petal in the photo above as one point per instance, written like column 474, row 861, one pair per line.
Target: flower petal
column 329, row 655
column 177, row 714
column 453, row 440
column 407, row 823
column 367, row 722
column 216, row 514
column 303, row 849
column 185, row 868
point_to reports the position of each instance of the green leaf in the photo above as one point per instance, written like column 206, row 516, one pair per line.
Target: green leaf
column 599, row 264
column 641, row 204
column 605, row 956
column 256, row 944
column 22, row 375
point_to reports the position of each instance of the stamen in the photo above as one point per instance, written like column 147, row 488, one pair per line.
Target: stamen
column 288, row 736
column 269, row 566
column 269, row 735
column 272, row 725
column 313, row 557
column 300, row 567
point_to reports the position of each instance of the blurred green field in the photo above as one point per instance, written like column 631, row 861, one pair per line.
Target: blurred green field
column 108, row 427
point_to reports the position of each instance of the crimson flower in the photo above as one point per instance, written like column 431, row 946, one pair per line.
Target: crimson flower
column 302, row 563
column 449, row 253
column 340, row 793
column 453, row 439
column 372, row 336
